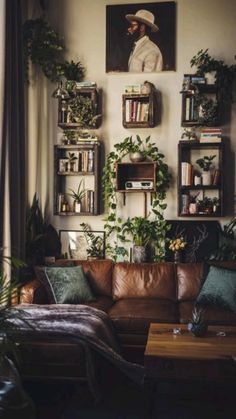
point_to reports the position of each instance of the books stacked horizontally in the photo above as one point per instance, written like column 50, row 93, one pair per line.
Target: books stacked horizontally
column 186, row 174
column 86, row 84
column 211, row 135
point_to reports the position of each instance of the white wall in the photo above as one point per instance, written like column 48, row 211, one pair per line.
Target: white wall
column 200, row 24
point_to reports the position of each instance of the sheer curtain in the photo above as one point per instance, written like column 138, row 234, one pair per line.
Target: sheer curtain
column 12, row 131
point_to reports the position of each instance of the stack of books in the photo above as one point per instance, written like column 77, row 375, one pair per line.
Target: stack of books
column 86, row 84
column 211, row 135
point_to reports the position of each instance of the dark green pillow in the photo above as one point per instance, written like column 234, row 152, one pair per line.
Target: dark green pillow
column 66, row 285
column 219, row 289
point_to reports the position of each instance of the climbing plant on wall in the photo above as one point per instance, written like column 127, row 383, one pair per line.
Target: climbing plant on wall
column 117, row 235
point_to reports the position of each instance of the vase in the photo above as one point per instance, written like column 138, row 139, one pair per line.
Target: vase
column 177, row 256
column 198, row 330
column 137, row 156
column 139, row 254
column 206, row 178
column 77, row 206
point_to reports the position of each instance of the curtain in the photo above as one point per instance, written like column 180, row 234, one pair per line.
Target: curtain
column 13, row 148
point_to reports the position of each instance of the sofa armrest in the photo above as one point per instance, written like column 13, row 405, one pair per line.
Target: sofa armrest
column 33, row 293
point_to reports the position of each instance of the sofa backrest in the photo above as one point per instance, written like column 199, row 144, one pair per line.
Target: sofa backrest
column 189, row 280
column 99, row 274
column 149, row 280
column 190, row 277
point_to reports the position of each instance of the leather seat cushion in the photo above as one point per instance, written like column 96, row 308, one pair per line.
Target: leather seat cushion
column 102, row 303
column 135, row 315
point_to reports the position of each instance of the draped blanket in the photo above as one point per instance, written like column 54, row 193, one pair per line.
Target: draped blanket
column 77, row 323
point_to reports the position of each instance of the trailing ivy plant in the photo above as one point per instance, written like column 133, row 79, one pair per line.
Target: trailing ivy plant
column 44, row 47
column 116, row 229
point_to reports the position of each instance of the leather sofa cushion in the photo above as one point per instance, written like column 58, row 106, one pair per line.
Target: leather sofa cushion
column 189, row 280
column 135, row 315
column 99, row 274
column 212, row 315
column 144, row 280
column 102, row 303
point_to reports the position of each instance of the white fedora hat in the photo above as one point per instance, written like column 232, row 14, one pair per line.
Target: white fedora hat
column 144, row 16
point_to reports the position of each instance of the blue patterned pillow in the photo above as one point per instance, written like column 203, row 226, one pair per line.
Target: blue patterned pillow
column 219, row 289
column 65, row 285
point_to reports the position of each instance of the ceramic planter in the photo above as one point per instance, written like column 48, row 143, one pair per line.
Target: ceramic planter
column 206, row 178
column 139, row 254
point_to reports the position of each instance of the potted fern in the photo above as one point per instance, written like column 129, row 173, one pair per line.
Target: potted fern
column 73, row 72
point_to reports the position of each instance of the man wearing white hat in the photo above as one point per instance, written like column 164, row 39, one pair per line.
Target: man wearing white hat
column 145, row 55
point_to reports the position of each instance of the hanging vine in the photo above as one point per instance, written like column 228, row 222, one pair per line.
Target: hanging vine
column 115, row 226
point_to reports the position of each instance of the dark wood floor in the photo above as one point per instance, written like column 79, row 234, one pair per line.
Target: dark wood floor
column 122, row 399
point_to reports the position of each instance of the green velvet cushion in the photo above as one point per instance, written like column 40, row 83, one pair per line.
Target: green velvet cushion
column 66, row 285
column 219, row 289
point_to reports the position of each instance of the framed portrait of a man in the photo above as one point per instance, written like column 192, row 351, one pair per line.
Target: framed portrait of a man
column 141, row 37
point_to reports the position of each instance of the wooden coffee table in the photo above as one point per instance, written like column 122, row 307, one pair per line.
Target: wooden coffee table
column 184, row 356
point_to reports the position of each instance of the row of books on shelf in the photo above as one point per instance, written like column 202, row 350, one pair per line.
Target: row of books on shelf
column 136, row 111
column 187, row 172
column 81, row 161
column 66, row 204
column 211, row 135
column 191, row 110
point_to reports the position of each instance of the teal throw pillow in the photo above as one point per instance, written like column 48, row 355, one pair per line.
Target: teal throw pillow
column 219, row 289
column 66, row 285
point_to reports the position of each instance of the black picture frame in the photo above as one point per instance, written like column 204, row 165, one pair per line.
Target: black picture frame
column 74, row 244
column 202, row 239
column 117, row 48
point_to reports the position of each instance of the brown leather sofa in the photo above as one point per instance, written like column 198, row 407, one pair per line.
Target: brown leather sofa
column 135, row 295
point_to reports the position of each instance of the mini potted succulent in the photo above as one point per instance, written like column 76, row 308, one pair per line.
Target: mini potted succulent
column 205, row 163
column 78, row 196
column 198, row 325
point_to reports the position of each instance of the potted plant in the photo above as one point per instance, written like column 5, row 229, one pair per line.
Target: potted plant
column 205, row 164
column 78, row 196
column 224, row 74
column 73, row 72
column 44, row 47
column 198, row 325
column 82, row 111
column 71, row 162
column 70, row 136
column 116, row 234
column 142, row 231
column 177, row 245
column 95, row 249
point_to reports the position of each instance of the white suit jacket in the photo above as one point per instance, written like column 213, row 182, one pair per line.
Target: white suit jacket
column 146, row 57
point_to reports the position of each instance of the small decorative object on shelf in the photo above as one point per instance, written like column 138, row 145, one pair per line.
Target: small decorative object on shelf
column 205, row 164
column 198, row 325
column 78, row 196
column 177, row 245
